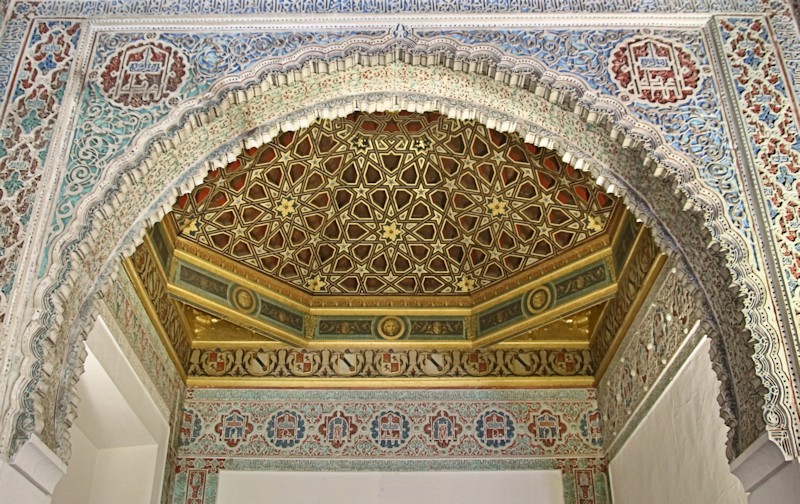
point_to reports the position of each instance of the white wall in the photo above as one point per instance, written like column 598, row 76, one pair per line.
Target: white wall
column 677, row 453
column 119, row 439
column 76, row 486
column 12, row 483
column 125, row 475
column 479, row 487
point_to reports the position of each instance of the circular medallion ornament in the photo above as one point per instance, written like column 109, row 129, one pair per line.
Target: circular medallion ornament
column 391, row 328
column 243, row 299
column 654, row 70
column 143, row 74
column 539, row 299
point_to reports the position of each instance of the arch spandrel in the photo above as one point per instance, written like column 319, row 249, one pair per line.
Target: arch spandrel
column 259, row 117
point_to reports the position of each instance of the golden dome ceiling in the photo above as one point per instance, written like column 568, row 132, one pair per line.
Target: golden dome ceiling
column 397, row 245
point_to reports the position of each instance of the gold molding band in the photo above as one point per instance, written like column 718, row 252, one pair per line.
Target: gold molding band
column 394, row 383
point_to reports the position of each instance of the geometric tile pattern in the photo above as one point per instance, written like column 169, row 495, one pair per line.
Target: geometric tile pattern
column 394, row 203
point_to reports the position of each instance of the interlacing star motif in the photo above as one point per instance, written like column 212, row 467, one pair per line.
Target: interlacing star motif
column 285, row 156
column 286, row 207
column 314, row 163
column 391, row 232
column 286, row 254
column 238, row 201
column 465, row 284
column 190, row 227
column 421, row 145
column 316, row 284
column 394, row 204
column 343, row 246
column 239, row 232
column 361, row 191
column 593, row 223
column 421, row 192
column 497, row 207
column 361, row 144
column 391, row 182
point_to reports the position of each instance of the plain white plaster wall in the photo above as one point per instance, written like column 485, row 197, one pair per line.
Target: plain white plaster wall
column 436, row 487
column 119, row 439
column 124, row 475
column 782, row 486
column 76, row 486
column 677, row 453
column 14, row 487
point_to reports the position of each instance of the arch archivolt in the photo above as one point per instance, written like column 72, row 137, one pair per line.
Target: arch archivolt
column 592, row 132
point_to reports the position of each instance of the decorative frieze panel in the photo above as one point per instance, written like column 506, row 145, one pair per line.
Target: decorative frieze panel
column 316, row 365
column 30, row 114
column 772, row 133
column 125, row 310
column 621, row 306
column 379, row 424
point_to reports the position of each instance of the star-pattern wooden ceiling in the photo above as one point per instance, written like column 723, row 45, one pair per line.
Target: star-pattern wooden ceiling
column 395, row 203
